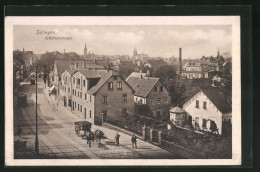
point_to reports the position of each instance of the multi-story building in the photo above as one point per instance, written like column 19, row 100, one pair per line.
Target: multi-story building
column 207, row 108
column 199, row 69
column 151, row 92
column 97, row 95
column 61, row 65
column 66, row 88
column 111, row 98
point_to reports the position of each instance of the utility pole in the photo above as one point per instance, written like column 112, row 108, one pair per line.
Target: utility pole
column 36, row 136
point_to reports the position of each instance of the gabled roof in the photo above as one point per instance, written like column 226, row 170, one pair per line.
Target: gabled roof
column 136, row 75
column 70, row 71
column 91, row 73
column 157, row 63
column 143, row 86
column 103, row 80
column 221, row 99
column 62, row 65
column 177, row 110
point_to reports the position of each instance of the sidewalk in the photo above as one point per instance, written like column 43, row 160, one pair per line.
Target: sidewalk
column 145, row 150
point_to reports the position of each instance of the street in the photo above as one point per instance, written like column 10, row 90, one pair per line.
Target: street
column 57, row 138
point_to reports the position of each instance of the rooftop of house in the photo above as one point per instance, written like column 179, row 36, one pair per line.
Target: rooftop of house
column 137, row 75
column 157, row 63
column 92, row 73
column 142, row 86
column 70, row 71
column 103, row 80
column 62, row 65
column 219, row 97
column 177, row 110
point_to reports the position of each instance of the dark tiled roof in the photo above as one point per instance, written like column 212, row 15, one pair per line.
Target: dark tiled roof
column 92, row 73
column 142, row 86
column 102, row 81
column 157, row 63
column 220, row 98
column 62, row 65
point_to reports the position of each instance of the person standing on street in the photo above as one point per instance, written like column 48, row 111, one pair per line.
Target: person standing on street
column 134, row 140
column 117, row 139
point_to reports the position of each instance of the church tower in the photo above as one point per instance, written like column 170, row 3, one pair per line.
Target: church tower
column 85, row 50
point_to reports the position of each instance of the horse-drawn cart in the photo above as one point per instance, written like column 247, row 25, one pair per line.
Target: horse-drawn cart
column 82, row 127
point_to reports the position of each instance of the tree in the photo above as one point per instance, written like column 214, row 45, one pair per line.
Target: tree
column 165, row 73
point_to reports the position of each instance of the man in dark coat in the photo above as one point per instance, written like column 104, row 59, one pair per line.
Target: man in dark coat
column 117, row 139
column 134, row 140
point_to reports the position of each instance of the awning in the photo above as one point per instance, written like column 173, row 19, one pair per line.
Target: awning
column 52, row 88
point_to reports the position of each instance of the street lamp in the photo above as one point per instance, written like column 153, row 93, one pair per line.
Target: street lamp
column 40, row 64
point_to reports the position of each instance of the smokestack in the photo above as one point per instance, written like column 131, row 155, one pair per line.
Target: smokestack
column 180, row 62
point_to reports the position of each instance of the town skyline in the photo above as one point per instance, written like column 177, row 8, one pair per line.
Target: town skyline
column 196, row 41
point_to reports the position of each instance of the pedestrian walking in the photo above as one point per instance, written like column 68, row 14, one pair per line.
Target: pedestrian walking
column 117, row 138
column 88, row 135
column 134, row 141
column 92, row 136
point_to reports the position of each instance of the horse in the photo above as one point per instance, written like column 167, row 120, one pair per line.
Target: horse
column 99, row 135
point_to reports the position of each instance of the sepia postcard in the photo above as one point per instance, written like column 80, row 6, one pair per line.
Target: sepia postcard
column 128, row 91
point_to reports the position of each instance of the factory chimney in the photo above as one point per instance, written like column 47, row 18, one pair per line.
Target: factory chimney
column 180, row 73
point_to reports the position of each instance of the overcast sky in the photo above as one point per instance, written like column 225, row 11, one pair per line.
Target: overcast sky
column 156, row 41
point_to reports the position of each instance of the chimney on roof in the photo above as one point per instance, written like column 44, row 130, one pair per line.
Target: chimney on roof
column 180, row 62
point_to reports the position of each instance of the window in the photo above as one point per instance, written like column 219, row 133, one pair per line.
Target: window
column 110, row 85
column 90, row 113
column 78, row 107
column 73, row 80
column 84, row 82
column 158, row 101
column 155, row 89
column 125, row 97
column 78, row 81
column 197, row 104
column 204, row 123
column 161, row 88
column 115, row 77
column 105, row 99
column 151, row 102
column 196, row 120
column 141, row 101
column 85, row 96
column 204, row 105
column 89, row 98
column 66, row 78
column 80, row 94
column 65, row 88
column 68, row 89
column 119, row 85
